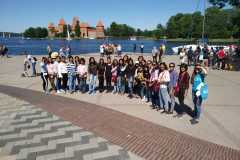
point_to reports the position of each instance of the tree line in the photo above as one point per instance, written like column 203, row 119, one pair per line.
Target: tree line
column 219, row 23
column 37, row 32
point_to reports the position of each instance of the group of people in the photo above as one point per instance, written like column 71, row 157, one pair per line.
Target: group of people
column 110, row 49
column 157, row 53
column 216, row 58
column 153, row 82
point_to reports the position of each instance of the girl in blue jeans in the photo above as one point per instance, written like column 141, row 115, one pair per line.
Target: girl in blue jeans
column 92, row 70
column 121, row 77
column 197, row 80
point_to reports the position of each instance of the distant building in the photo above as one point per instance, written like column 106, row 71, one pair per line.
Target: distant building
column 86, row 30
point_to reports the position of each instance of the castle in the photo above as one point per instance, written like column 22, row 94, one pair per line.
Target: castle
column 86, row 30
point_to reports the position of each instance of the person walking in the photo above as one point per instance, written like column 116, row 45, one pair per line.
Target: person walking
column 33, row 61
column 172, row 85
column 142, row 48
column 49, row 50
column 134, row 48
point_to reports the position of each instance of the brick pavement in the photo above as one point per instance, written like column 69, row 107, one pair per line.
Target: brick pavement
column 28, row 132
column 143, row 138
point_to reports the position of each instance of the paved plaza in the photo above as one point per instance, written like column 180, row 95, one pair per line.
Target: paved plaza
column 119, row 128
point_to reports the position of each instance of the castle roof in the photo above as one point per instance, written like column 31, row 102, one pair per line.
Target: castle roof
column 61, row 21
column 50, row 25
column 84, row 25
column 100, row 24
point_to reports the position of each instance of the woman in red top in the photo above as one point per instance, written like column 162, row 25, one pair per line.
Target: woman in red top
column 221, row 56
column 183, row 84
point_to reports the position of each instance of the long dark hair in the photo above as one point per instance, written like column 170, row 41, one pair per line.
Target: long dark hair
column 92, row 63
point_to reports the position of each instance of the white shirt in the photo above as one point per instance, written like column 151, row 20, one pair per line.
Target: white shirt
column 119, row 47
column 55, row 68
column 62, row 68
column 164, row 77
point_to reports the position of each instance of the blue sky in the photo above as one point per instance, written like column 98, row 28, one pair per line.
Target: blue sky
column 17, row 15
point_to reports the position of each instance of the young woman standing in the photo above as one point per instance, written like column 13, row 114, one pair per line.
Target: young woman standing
column 82, row 74
column 108, row 74
column 44, row 75
column 130, row 72
column 163, row 80
column 121, row 77
column 51, row 75
column 114, row 75
column 71, row 69
column 101, row 71
column 63, row 73
column 197, row 80
column 92, row 70
column 183, row 85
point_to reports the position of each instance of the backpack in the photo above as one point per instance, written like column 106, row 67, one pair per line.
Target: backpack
column 204, row 91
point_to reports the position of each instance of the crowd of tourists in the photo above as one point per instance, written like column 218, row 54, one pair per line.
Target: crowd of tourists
column 215, row 58
column 110, row 49
column 152, row 81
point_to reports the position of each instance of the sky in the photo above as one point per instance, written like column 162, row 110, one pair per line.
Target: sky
column 18, row 15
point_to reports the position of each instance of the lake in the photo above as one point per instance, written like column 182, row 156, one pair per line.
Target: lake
column 17, row 46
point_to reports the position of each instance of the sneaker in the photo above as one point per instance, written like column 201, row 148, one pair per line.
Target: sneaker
column 58, row 92
column 194, row 121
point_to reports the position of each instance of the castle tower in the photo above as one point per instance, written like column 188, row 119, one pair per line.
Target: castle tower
column 51, row 30
column 84, row 30
column 74, row 22
column 61, row 25
column 100, row 30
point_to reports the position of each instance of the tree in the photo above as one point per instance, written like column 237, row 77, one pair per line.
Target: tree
column 77, row 30
column 36, row 32
column 159, row 32
column 64, row 33
column 223, row 3
column 217, row 23
column 120, row 30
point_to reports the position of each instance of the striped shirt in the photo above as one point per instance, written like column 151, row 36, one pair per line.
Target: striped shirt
column 71, row 68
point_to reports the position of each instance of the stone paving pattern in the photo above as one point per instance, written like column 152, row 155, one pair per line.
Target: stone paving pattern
column 147, row 140
column 28, row 132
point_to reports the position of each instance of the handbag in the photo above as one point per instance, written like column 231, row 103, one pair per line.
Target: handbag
column 177, row 87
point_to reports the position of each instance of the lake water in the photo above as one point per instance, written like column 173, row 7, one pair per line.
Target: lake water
column 17, row 46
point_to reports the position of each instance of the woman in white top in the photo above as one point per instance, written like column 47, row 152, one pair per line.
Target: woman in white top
column 63, row 73
column 183, row 56
column 51, row 75
column 163, row 80
column 44, row 75
column 82, row 73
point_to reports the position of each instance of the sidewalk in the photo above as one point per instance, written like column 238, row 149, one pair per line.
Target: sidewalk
column 219, row 123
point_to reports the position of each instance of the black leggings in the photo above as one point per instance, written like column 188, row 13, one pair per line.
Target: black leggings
column 101, row 82
column 181, row 97
column 64, row 81
column 108, row 82
column 45, row 81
